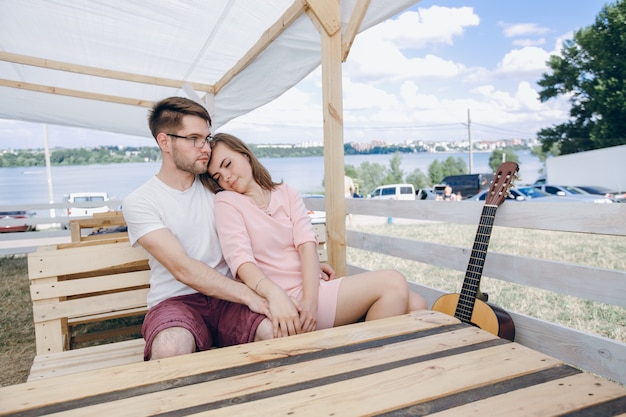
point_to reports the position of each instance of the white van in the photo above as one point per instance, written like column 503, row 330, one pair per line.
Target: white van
column 394, row 192
column 92, row 200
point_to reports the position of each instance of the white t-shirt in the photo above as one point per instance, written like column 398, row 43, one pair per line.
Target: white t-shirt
column 189, row 215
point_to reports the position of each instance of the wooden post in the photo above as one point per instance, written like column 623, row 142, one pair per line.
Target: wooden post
column 327, row 13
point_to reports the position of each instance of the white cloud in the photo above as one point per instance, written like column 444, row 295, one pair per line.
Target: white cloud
column 522, row 29
column 424, row 27
column 529, row 59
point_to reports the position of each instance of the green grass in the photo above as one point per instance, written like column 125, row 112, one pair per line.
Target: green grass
column 17, row 333
column 17, row 339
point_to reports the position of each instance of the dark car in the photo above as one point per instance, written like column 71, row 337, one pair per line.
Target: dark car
column 469, row 184
column 8, row 226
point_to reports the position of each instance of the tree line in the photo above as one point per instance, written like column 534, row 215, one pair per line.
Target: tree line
column 82, row 156
column 367, row 176
column 117, row 155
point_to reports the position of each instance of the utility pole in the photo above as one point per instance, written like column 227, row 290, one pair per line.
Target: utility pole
column 48, row 171
column 469, row 138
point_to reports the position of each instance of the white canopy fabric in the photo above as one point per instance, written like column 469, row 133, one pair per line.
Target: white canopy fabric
column 99, row 64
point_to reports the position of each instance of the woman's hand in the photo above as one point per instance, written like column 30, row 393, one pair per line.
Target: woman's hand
column 326, row 272
column 308, row 316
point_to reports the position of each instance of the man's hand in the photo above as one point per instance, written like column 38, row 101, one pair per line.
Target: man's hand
column 285, row 313
column 259, row 305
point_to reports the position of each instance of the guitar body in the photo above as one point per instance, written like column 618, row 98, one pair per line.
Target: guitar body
column 484, row 315
column 470, row 304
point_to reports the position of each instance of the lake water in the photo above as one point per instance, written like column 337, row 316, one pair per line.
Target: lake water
column 30, row 185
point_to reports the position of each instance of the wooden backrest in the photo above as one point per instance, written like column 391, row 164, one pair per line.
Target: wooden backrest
column 98, row 221
column 86, row 283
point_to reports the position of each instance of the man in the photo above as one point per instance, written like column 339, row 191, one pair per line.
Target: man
column 194, row 304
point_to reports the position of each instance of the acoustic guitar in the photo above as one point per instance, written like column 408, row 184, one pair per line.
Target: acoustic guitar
column 471, row 306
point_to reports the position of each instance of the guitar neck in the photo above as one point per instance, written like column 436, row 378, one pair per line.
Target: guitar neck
column 474, row 272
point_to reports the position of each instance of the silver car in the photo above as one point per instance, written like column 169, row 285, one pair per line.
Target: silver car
column 572, row 192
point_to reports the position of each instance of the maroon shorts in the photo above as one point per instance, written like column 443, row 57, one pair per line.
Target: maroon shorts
column 213, row 322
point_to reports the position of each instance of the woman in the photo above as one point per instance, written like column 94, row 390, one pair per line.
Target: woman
column 268, row 242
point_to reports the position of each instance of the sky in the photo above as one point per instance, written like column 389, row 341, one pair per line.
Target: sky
column 443, row 70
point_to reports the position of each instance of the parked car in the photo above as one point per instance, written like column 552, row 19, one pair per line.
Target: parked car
column 469, row 184
column 535, row 194
column 8, row 226
column 617, row 196
column 88, row 197
column 529, row 193
column 425, row 194
column 574, row 192
column 514, row 195
column 394, row 192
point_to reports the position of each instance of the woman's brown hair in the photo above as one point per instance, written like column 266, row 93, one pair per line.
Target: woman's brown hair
column 260, row 174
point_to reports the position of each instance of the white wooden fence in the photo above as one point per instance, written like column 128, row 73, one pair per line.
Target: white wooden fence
column 590, row 352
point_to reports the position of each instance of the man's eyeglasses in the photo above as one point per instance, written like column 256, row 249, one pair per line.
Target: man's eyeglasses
column 198, row 141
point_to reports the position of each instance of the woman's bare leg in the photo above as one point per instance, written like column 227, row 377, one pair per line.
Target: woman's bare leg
column 373, row 295
column 416, row 302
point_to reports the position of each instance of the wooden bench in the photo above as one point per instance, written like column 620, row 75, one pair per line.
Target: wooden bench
column 91, row 281
column 85, row 284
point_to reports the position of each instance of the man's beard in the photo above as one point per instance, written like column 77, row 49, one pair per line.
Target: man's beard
column 193, row 166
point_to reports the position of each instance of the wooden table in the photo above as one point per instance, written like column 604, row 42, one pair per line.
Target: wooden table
column 418, row 364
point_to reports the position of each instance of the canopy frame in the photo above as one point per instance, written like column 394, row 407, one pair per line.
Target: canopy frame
column 336, row 37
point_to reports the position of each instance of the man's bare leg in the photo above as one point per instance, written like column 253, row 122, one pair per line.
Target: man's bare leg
column 173, row 341
column 264, row 331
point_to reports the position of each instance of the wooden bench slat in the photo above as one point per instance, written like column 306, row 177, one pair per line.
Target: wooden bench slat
column 89, row 285
column 578, row 391
column 106, row 303
column 82, row 259
column 129, row 312
column 87, row 359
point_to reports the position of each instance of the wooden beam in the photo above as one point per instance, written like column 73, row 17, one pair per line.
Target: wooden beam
column 273, row 32
column 100, row 72
column 353, row 27
column 75, row 93
column 333, row 145
column 324, row 11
